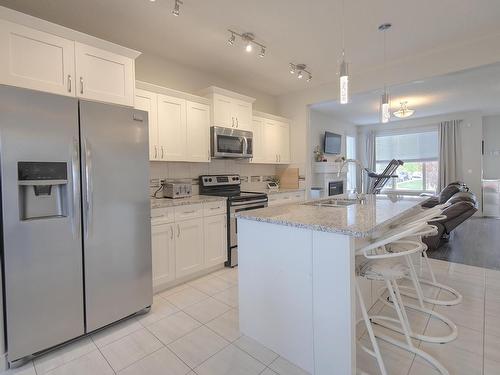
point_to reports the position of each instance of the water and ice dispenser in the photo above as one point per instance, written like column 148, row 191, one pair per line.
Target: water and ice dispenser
column 42, row 190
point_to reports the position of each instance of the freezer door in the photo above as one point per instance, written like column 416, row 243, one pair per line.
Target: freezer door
column 116, row 212
column 42, row 247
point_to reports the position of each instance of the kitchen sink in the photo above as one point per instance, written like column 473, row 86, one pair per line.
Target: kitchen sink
column 333, row 203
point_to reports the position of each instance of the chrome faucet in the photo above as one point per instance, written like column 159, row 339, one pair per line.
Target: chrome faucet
column 359, row 191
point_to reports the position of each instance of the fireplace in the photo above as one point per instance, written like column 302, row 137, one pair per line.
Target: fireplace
column 335, row 187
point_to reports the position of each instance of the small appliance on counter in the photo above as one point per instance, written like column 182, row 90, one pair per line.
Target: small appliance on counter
column 176, row 189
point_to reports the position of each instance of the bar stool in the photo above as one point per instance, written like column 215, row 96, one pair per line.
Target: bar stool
column 433, row 214
column 377, row 262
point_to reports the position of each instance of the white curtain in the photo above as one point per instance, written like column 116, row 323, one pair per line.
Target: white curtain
column 370, row 157
column 450, row 157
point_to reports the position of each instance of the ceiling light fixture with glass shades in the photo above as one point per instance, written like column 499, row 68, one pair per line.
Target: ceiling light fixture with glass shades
column 301, row 71
column 249, row 41
column 404, row 111
column 344, row 66
column 385, row 99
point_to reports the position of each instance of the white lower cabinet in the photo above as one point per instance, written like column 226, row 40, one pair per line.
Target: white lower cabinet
column 163, row 253
column 276, row 199
column 215, row 240
column 186, row 240
column 188, row 247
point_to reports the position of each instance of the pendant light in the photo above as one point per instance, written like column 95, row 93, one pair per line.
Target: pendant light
column 344, row 66
column 385, row 99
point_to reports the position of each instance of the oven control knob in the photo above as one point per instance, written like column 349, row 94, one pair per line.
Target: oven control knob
column 209, row 180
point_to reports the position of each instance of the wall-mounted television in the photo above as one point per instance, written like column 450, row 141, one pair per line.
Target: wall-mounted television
column 333, row 143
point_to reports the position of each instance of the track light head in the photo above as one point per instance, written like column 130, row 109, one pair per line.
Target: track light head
column 249, row 47
column 309, row 78
column 292, row 68
column 262, row 52
column 177, row 6
column 231, row 39
column 301, row 71
column 300, row 74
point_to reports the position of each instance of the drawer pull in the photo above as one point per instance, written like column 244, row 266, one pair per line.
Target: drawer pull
column 215, row 208
column 189, row 212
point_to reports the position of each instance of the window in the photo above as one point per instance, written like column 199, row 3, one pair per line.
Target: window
column 420, row 153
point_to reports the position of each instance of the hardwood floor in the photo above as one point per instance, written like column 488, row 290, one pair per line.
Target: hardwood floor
column 476, row 243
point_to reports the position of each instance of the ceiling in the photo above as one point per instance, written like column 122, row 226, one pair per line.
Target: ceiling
column 471, row 90
column 293, row 30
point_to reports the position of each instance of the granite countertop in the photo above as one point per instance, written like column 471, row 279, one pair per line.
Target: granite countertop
column 357, row 220
column 169, row 202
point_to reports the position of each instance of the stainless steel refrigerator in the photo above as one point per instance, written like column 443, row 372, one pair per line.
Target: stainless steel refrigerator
column 76, row 237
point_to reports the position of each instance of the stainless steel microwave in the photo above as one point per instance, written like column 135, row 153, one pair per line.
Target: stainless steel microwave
column 231, row 143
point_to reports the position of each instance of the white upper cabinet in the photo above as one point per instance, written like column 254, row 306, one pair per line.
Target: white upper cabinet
column 259, row 148
column 148, row 101
column 172, row 128
column 271, row 136
column 179, row 127
column 36, row 60
column 242, row 114
column 198, row 131
column 222, row 111
column 104, row 76
column 39, row 55
column 230, row 109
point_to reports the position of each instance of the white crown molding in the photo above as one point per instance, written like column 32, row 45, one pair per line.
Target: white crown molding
column 270, row 116
column 209, row 91
column 64, row 32
column 170, row 92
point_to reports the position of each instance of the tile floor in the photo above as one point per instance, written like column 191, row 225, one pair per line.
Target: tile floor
column 193, row 329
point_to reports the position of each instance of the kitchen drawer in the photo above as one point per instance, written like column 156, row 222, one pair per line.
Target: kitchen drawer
column 286, row 198
column 162, row 215
column 187, row 212
column 214, row 208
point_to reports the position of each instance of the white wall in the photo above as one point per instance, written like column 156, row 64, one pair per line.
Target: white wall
column 491, row 136
column 470, row 165
column 183, row 78
column 435, row 63
column 173, row 75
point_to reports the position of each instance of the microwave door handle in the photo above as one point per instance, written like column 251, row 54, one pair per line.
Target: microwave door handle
column 245, row 145
column 75, row 177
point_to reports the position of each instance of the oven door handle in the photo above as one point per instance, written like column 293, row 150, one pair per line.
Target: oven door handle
column 248, row 203
column 247, row 208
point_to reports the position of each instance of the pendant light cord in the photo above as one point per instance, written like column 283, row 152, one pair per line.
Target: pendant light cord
column 342, row 23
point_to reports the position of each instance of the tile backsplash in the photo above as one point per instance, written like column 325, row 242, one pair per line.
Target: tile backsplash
column 253, row 176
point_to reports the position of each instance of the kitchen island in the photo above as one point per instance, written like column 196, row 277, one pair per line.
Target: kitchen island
column 297, row 273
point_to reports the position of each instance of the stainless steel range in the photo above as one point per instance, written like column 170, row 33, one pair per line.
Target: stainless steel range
column 230, row 186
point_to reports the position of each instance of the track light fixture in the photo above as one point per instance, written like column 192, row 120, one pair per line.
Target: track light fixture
column 177, row 6
column 300, row 70
column 249, row 40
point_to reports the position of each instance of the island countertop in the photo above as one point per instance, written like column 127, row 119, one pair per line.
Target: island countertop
column 356, row 220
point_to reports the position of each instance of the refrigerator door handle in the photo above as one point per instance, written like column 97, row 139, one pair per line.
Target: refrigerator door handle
column 88, row 188
column 75, row 177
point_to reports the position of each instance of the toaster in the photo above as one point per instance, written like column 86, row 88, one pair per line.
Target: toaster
column 176, row 190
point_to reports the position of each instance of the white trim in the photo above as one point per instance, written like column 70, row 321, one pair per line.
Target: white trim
column 170, row 92
column 64, row 32
column 270, row 116
column 410, row 130
column 209, row 91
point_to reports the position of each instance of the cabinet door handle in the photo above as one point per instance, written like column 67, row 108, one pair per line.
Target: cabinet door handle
column 162, row 152
column 171, row 232
column 178, row 230
column 156, row 151
column 232, row 119
column 81, row 85
column 237, row 123
column 69, row 83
